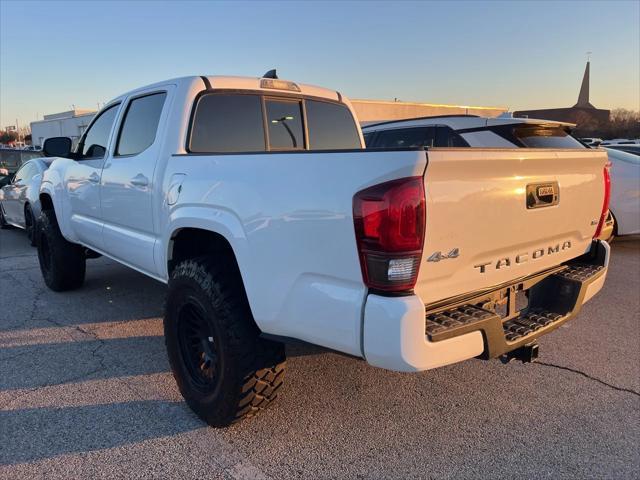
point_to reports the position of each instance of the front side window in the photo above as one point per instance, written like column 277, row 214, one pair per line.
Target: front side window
column 284, row 121
column 401, row 138
column 94, row 143
column 140, row 123
column 227, row 123
column 331, row 126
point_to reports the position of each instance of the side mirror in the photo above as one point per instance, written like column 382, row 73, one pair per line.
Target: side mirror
column 57, row 147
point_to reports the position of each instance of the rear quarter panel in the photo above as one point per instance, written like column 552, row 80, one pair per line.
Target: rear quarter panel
column 288, row 217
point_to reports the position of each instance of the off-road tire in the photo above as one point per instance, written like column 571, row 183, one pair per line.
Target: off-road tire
column 62, row 263
column 246, row 371
column 30, row 225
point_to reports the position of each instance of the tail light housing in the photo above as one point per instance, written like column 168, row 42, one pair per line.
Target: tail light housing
column 389, row 221
column 605, row 203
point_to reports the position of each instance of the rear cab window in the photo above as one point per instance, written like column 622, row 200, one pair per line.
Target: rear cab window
column 331, row 126
column 284, row 123
column 227, row 123
column 224, row 122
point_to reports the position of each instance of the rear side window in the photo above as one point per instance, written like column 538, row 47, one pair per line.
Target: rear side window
column 284, row 120
column 545, row 137
column 140, row 124
column 228, row 123
column 447, row 137
column 402, row 138
column 331, row 126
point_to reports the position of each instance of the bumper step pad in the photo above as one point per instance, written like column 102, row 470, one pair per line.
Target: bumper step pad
column 553, row 299
column 456, row 318
column 522, row 326
column 579, row 272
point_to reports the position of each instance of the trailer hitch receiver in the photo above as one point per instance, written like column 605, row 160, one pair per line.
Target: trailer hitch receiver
column 526, row 354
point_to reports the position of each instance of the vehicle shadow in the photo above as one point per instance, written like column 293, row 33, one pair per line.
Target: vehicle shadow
column 111, row 293
column 39, row 365
column 33, row 434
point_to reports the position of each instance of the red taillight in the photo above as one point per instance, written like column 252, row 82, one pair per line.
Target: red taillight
column 390, row 221
column 605, row 202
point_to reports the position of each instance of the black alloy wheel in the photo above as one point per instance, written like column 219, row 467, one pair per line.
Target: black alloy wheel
column 197, row 340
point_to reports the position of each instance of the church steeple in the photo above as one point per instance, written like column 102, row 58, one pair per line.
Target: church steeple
column 583, row 97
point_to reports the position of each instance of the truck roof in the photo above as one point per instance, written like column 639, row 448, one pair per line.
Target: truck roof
column 239, row 83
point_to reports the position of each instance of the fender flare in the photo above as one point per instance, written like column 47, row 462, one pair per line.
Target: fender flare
column 48, row 188
column 212, row 219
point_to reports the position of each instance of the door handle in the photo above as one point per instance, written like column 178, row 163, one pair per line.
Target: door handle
column 94, row 177
column 140, row 180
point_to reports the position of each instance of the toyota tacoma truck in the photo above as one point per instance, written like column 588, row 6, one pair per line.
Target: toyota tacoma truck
column 255, row 201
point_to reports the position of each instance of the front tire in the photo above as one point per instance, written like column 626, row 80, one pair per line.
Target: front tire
column 62, row 263
column 30, row 225
column 223, row 369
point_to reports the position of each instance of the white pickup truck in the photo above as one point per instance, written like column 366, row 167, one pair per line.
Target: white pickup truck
column 255, row 201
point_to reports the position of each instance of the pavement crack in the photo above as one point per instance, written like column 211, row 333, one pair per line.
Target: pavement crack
column 586, row 375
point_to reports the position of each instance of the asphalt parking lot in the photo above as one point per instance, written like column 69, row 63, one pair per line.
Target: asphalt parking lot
column 85, row 392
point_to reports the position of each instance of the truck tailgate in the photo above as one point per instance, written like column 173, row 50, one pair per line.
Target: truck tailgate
column 494, row 216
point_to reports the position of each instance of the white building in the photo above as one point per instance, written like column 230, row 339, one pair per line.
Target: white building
column 70, row 124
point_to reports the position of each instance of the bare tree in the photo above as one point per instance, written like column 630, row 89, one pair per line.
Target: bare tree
column 622, row 123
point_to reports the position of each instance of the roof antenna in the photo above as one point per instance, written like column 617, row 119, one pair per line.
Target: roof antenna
column 270, row 74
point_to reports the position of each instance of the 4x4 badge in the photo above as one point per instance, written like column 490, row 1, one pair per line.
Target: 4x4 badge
column 437, row 256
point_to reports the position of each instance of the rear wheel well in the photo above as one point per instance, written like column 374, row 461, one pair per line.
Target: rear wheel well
column 189, row 243
column 45, row 202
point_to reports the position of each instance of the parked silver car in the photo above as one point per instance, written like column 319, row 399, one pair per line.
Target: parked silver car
column 19, row 202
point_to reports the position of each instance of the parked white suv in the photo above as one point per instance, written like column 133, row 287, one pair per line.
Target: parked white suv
column 470, row 131
column 254, row 199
